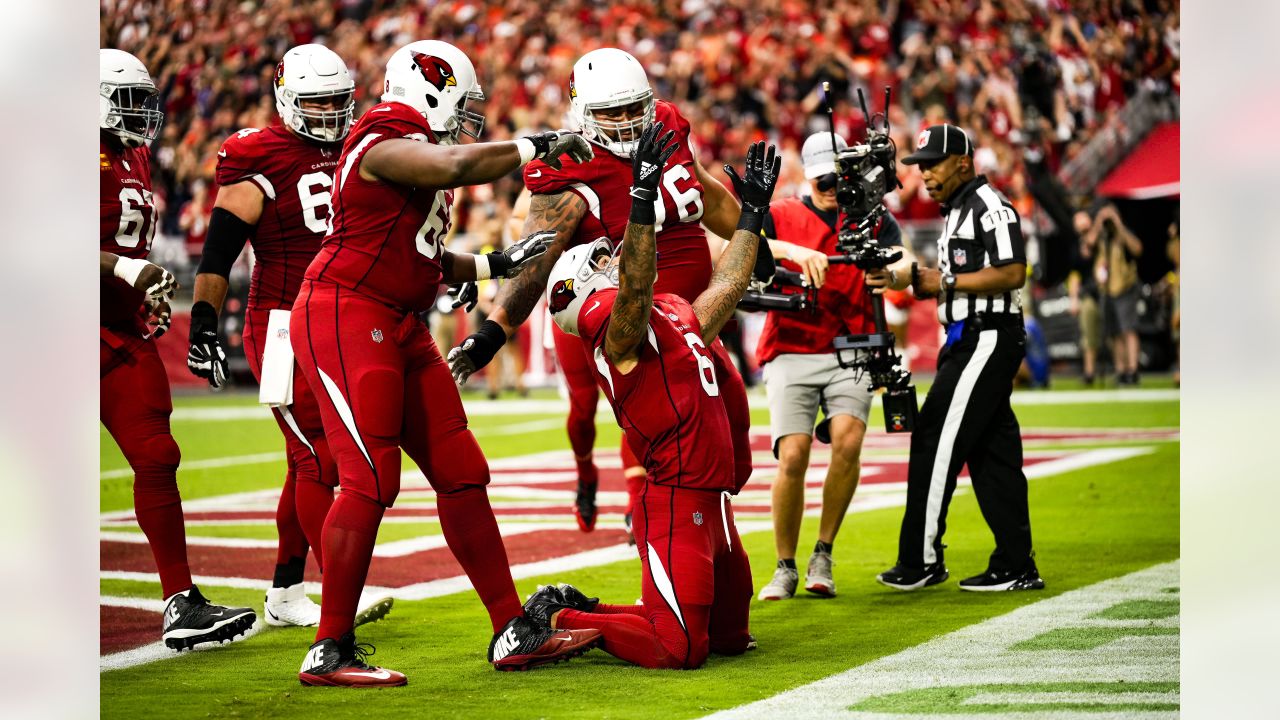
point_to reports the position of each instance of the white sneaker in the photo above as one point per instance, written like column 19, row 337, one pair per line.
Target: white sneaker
column 290, row 606
column 782, row 586
column 818, row 578
column 372, row 608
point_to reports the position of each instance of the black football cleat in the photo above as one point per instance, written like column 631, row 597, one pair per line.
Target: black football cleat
column 576, row 599
column 524, row 644
column 584, row 507
column 550, row 599
column 341, row 663
column 190, row 620
column 901, row 577
column 1002, row 580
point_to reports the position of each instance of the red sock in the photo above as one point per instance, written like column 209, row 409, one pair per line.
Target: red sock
column 158, row 507
column 293, row 543
column 635, row 486
column 312, row 501
column 470, row 529
column 603, row 609
column 349, row 536
column 626, row 636
column 587, row 473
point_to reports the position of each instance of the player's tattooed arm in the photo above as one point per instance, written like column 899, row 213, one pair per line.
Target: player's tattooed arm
column 559, row 213
column 728, row 282
column 629, row 319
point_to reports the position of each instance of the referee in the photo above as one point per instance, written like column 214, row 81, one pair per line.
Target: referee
column 966, row 418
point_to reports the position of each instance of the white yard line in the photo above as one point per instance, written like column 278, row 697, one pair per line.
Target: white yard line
column 984, row 654
column 254, row 459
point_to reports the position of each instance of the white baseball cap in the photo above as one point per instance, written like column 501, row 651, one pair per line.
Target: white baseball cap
column 817, row 155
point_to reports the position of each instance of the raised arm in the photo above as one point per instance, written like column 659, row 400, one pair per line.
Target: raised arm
column 629, row 319
column 733, row 271
column 419, row 164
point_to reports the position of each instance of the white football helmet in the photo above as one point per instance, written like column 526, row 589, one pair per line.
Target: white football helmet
column 610, row 78
column 128, row 103
column 312, row 72
column 436, row 79
column 579, row 272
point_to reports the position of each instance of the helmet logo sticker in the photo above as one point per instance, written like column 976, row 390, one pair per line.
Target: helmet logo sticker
column 280, row 74
column 573, row 89
column 562, row 295
column 436, row 71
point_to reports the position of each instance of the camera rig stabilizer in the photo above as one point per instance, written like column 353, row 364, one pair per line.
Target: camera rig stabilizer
column 864, row 174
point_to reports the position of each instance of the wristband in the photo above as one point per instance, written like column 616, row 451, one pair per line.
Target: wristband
column 203, row 319
column 527, row 150
column 128, row 269
column 643, row 211
column 483, row 271
column 752, row 220
column 915, row 274
column 493, row 332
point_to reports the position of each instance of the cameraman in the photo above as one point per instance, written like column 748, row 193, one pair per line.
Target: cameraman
column 966, row 418
column 801, row 372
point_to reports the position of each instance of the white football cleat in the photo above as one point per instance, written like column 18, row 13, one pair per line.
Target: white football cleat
column 290, row 606
column 372, row 608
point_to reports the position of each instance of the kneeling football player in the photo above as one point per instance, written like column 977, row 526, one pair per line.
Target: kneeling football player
column 653, row 364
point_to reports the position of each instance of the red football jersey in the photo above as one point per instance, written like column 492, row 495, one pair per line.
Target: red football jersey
column 669, row 405
column 843, row 306
column 386, row 239
column 127, row 224
column 684, row 263
column 295, row 177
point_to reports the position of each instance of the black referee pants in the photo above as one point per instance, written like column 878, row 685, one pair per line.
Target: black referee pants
column 966, row 419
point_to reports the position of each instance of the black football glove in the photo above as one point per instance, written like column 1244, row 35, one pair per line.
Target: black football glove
column 755, row 186
column 464, row 296
column 512, row 261
column 476, row 351
column 549, row 146
column 650, row 156
column 205, row 358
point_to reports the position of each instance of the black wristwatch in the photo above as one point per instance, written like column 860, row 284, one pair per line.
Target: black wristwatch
column 949, row 282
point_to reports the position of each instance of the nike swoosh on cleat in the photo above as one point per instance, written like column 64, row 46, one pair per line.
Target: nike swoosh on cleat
column 537, row 173
column 379, row 675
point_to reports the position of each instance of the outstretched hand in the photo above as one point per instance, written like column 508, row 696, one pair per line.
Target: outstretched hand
column 760, row 176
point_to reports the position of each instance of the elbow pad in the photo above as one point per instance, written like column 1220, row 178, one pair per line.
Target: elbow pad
column 226, row 239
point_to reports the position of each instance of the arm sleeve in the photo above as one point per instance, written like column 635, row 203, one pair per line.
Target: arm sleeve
column 226, row 239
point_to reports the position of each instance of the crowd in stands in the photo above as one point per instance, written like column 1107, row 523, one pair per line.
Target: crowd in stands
column 1026, row 77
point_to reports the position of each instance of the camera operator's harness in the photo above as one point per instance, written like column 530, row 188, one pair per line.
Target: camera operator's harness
column 864, row 173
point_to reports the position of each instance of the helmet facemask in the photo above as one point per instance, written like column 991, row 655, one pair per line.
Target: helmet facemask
column 619, row 137
column 131, row 112
column 580, row 272
column 328, row 125
column 464, row 121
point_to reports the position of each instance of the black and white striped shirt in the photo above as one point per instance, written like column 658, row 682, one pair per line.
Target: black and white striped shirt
column 982, row 230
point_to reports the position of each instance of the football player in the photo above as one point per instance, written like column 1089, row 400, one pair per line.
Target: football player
column 274, row 192
column 611, row 102
column 652, row 360
column 381, row 381
column 134, row 311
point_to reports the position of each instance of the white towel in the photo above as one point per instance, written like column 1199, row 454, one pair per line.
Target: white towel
column 277, row 363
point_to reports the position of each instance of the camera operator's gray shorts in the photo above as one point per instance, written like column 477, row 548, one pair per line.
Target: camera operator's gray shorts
column 798, row 385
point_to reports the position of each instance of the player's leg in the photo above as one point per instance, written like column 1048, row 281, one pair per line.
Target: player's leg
column 436, row 437
column 136, row 405
column 579, row 379
column 734, row 394
column 729, row 630
column 793, row 404
column 360, row 373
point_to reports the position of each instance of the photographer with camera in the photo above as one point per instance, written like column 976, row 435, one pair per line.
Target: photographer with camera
column 966, row 417
column 802, row 372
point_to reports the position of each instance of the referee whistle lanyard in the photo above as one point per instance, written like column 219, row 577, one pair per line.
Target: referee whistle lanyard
column 724, row 518
column 954, row 331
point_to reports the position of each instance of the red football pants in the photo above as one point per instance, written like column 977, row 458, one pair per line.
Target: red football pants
column 136, row 405
column 312, row 475
column 385, row 386
column 696, row 584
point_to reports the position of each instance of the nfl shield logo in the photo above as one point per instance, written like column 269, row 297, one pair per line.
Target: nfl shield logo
column 697, row 518
column 283, row 333
column 959, row 256
column 377, row 335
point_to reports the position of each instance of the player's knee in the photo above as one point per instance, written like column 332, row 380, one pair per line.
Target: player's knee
column 158, row 454
column 699, row 648
column 462, row 467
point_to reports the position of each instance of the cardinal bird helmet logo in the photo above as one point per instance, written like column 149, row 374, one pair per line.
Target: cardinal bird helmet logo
column 436, row 71
column 561, row 295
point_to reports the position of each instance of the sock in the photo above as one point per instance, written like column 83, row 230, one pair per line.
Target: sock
column 628, row 637
column 603, row 609
column 312, row 501
column 292, row 542
column 289, row 573
column 158, row 507
column 635, row 486
column 587, row 473
column 822, row 547
column 788, row 563
column 471, row 531
column 349, row 536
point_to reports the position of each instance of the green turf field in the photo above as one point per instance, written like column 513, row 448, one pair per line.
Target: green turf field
column 1090, row 525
